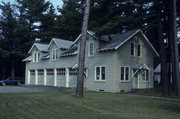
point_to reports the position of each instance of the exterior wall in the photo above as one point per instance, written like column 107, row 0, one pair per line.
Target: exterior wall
column 112, row 60
column 124, row 58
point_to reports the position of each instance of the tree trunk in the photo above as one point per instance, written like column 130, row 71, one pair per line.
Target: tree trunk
column 4, row 71
column 81, row 63
column 164, row 74
column 13, row 69
column 174, row 47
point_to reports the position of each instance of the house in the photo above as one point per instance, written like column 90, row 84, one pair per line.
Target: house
column 157, row 73
column 113, row 63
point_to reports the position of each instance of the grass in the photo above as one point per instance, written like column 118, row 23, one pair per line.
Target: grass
column 95, row 105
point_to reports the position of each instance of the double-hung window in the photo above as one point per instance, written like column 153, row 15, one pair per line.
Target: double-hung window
column 36, row 57
column 54, row 54
column 124, row 73
column 100, row 73
column 139, row 50
column 132, row 49
column 91, row 49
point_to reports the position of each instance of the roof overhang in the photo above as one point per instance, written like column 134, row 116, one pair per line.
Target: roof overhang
column 34, row 45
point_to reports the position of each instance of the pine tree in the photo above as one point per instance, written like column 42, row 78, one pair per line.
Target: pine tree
column 68, row 23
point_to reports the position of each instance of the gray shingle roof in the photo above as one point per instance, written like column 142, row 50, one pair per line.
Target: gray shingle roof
column 71, row 51
column 64, row 44
column 45, row 56
column 114, row 40
column 42, row 47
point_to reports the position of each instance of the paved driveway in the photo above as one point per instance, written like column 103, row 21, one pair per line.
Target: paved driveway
column 28, row 88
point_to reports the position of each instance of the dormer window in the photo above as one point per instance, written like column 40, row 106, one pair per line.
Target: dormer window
column 54, row 54
column 91, row 49
column 36, row 57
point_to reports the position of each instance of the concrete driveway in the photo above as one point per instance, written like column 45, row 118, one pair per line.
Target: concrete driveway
column 29, row 88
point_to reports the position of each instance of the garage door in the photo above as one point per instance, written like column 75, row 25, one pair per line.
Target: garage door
column 72, row 78
column 50, row 77
column 40, row 77
column 60, row 81
column 32, row 77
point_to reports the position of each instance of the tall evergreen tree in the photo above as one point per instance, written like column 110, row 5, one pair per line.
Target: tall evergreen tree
column 68, row 23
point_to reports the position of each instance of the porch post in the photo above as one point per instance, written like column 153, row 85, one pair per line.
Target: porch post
column 67, row 77
column 45, row 76
column 36, row 77
column 55, row 76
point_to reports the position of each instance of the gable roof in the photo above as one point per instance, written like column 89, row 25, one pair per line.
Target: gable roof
column 89, row 32
column 117, row 40
column 63, row 44
column 40, row 47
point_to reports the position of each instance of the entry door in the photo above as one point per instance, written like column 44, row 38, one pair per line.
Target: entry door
column 135, row 81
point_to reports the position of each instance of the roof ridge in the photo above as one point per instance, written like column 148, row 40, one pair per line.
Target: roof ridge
column 62, row 40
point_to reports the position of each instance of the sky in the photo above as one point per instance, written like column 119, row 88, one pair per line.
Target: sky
column 54, row 2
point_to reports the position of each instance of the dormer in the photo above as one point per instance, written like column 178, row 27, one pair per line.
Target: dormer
column 91, row 43
column 57, row 47
column 37, row 51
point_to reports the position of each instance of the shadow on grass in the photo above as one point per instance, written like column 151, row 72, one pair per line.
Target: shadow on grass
column 171, row 107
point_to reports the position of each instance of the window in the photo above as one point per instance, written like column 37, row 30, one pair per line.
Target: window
column 40, row 72
column 32, row 72
column 72, row 71
column 54, row 54
column 139, row 50
column 91, row 49
column 124, row 73
column 133, row 49
column 50, row 71
column 100, row 73
column 36, row 57
column 61, row 71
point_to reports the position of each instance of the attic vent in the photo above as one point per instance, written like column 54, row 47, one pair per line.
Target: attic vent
column 122, row 91
column 101, row 90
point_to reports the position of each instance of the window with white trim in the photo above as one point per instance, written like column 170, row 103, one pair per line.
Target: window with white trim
column 54, row 54
column 91, row 49
column 100, row 72
column 36, row 57
column 139, row 50
column 50, row 71
column 40, row 72
column 61, row 71
column 124, row 73
column 133, row 49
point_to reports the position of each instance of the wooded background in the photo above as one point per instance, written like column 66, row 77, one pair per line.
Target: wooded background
column 28, row 21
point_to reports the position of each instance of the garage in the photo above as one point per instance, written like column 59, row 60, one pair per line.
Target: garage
column 50, row 77
column 61, row 78
column 32, row 77
column 72, row 77
column 40, row 79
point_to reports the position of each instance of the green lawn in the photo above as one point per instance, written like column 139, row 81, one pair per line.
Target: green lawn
column 63, row 105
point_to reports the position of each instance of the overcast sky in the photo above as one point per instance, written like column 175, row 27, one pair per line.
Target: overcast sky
column 54, row 2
